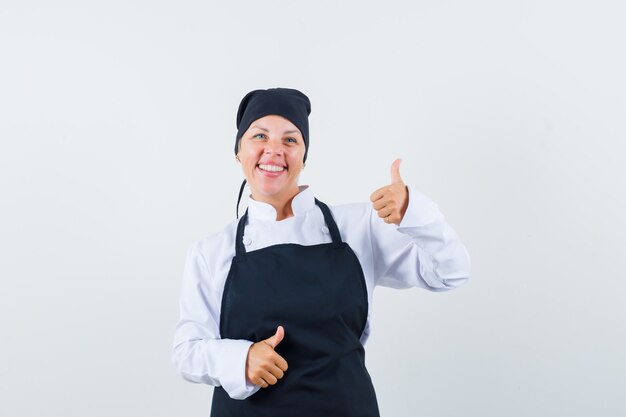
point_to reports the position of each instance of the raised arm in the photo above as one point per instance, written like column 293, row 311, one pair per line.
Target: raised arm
column 412, row 243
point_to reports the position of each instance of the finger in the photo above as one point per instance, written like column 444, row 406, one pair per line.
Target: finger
column 260, row 382
column 276, row 339
column 387, row 211
column 395, row 171
column 378, row 194
column 281, row 363
column 380, row 204
column 276, row 371
column 268, row 377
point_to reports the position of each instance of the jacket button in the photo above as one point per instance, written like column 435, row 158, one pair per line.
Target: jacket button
column 247, row 240
column 325, row 230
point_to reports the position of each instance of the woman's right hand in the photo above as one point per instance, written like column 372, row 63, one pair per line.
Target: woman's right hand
column 264, row 367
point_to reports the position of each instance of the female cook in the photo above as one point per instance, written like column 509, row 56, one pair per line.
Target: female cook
column 275, row 308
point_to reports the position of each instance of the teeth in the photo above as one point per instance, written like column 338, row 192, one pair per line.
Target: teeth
column 271, row 168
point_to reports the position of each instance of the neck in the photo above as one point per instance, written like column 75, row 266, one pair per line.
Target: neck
column 281, row 203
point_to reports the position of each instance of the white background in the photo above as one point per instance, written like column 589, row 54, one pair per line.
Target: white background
column 117, row 126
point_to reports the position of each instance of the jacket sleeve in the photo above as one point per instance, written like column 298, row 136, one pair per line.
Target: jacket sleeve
column 422, row 251
column 198, row 353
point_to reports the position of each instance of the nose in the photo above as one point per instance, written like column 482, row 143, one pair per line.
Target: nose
column 274, row 147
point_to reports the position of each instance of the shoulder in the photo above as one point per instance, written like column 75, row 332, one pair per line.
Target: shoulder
column 352, row 214
column 360, row 208
column 214, row 246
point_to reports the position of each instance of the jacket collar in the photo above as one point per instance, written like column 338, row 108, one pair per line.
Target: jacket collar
column 301, row 203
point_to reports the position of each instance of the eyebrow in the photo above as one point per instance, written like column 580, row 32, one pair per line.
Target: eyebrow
column 284, row 133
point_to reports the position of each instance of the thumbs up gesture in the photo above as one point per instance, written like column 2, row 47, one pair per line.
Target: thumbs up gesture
column 264, row 367
column 392, row 200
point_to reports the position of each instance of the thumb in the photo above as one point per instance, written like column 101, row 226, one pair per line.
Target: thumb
column 395, row 171
column 273, row 341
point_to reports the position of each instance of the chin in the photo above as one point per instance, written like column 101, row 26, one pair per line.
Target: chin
column 269, row 190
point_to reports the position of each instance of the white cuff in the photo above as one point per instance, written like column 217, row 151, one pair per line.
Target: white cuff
column 232, row 368
column 420, row 211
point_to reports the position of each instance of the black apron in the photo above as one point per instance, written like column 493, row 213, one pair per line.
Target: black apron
column 318, row 294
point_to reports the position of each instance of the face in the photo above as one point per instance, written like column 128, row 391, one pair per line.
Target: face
column 271, row 153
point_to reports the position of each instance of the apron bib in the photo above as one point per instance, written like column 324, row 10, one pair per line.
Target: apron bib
column 318, row 294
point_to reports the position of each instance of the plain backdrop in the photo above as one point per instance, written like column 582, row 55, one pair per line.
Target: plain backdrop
column 117, row 126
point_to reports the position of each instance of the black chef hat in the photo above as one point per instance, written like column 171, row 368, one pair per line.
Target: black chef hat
column 287, row 102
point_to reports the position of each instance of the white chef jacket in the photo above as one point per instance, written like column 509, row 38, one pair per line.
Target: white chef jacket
column 422, row 251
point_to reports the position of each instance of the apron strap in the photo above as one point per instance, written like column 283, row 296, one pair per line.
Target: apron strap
column 240, row 249
column 243, row 184
column 330, row 222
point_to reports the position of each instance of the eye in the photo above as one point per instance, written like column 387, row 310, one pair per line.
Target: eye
column 292, row 140
column 258, row 134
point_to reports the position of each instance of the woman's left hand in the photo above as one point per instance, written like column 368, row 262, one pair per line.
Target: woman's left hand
column 391, row 201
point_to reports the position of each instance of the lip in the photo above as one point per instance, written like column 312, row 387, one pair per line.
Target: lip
column 270, row 174
column 272, row 163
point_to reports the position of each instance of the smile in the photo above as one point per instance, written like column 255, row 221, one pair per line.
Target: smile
column 271, row 168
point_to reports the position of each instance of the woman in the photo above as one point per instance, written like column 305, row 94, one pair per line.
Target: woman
column 275, row 308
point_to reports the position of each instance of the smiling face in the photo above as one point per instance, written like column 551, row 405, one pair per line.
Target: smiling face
column 271, row 153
